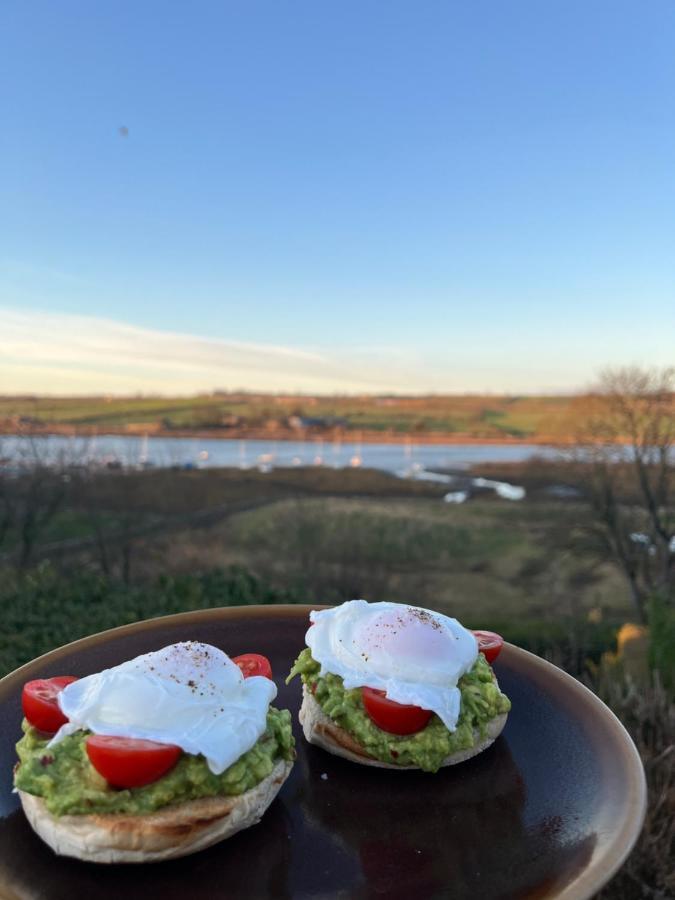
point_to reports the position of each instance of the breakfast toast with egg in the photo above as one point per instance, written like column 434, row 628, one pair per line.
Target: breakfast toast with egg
column 399, row 687
column 166, row 834
column 152, row 759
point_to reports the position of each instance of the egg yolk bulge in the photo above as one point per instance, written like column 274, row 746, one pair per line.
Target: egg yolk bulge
column 414, row 655
column 188, row 694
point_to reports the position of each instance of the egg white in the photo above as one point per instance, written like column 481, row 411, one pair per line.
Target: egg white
column 416, row 656
column 189, row 694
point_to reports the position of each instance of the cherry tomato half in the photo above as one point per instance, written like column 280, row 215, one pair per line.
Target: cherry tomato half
column 489, row 644
column 253, row 664
column 129, row 762
column 40, row 704
column 396, row 718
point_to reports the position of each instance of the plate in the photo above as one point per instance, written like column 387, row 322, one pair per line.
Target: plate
column 552, row 809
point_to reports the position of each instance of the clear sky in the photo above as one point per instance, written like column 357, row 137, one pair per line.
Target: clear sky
column 363, row 195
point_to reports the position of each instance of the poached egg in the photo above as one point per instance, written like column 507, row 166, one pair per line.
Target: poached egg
column 416, row 656
column 188, row 694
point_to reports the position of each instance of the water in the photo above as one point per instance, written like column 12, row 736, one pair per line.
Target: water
column 213, row 452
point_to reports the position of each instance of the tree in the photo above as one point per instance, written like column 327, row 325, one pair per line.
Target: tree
column 31, row 493
column 627, row 437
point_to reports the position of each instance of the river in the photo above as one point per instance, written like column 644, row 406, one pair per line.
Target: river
column 212, row 452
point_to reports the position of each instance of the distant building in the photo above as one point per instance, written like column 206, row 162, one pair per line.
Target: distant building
column 303, row 422
column 231, row 421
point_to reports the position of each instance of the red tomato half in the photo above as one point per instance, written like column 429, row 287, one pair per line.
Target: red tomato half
column 40, row 705
column 396, row 718
column 489, row 644
column 129, row 762
column 253, row 664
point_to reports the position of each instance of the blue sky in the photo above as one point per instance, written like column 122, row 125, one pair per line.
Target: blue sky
column 389, row 196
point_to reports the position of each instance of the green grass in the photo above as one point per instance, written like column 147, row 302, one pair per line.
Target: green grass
column 486, row 560
column 67, row 524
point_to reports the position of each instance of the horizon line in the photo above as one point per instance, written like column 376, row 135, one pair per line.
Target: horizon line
column 216, row 392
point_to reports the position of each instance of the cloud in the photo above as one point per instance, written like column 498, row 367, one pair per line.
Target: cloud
column 60, row 353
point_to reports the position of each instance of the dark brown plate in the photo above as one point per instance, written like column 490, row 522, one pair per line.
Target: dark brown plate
column 550, row 810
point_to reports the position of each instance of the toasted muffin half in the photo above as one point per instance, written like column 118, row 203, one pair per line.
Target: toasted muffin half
column 174, row 831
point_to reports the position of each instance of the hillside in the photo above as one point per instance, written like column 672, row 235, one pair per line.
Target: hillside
column 489, row 418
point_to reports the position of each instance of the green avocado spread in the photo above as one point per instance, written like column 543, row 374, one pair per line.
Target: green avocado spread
column 67, row 782
column 481, row 701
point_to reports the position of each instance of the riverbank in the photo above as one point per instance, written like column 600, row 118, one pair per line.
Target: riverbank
column 330, row 436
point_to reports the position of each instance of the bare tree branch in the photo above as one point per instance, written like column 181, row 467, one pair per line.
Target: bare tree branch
column 629, row 426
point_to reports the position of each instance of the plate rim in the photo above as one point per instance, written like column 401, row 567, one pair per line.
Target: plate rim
column 585, row 884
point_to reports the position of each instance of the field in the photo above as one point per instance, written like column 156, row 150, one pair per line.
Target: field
column 324, row 535
column 235, row 415
column 486, row 562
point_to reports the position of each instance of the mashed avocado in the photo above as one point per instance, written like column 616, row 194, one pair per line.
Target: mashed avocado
column 481, row 701
column 69, row 784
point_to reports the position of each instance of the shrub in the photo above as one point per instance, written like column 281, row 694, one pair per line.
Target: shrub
column 662, row 641
column 569, row 643
column 43, row 610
